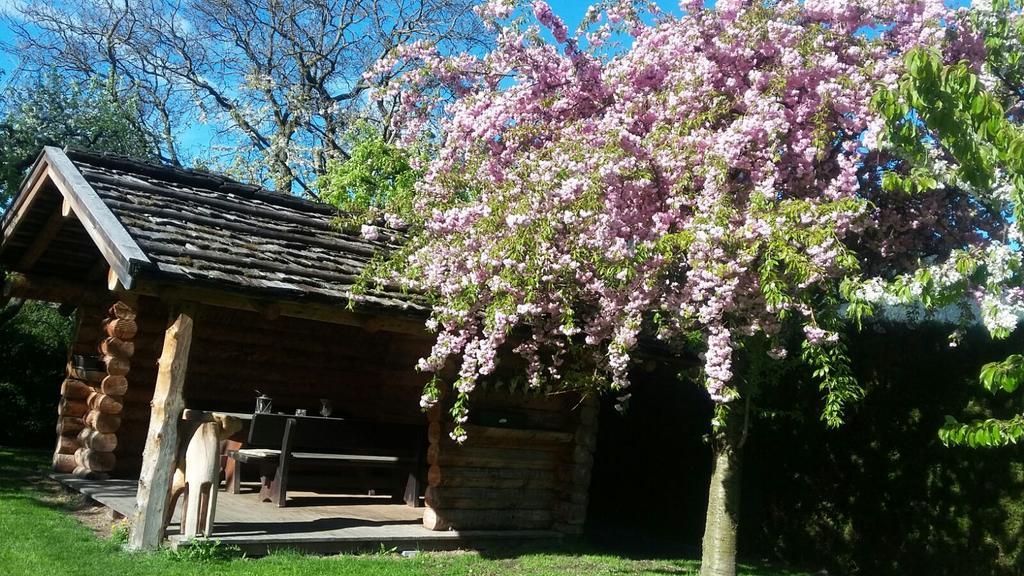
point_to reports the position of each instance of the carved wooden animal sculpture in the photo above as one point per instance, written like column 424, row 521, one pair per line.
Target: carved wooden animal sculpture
column 198, row 474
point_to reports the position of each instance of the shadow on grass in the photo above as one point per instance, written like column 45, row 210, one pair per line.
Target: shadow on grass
column 24, row 485
column 637, row 554
column 24, row 475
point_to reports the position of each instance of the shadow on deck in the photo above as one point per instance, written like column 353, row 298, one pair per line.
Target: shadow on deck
column 313, row 522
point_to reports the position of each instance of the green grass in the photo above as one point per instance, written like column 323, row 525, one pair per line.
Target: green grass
column 39, row 535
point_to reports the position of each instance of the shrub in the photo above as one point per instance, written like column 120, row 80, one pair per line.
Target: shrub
column 33, row 353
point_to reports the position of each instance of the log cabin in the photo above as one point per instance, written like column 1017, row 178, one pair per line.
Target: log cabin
column 195, row 291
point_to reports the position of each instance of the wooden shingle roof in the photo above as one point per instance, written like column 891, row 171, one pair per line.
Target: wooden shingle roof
column 205, row 229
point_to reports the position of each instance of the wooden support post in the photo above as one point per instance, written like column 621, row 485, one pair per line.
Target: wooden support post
column 113, row 282
column 571, row 511
column 158, row 459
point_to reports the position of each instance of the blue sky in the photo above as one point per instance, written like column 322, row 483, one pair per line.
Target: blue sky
column 571, row 11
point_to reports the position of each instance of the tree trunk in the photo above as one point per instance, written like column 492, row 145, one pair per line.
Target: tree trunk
column 718, row 554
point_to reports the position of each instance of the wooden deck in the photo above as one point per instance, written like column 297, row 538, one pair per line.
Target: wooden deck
column 313, row 522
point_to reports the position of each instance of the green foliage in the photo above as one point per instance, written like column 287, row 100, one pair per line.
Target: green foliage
column 830, row 367
column 1003, row 376
column 119, row 533
column 53, row 111
column 968, row 118
column 882, row 495
column 989, row 433
column 957, row 126
column 879, row 496
column 375, row 180
column 203, row 550
column 33, row 352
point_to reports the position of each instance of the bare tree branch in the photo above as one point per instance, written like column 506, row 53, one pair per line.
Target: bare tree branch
column 279, row 81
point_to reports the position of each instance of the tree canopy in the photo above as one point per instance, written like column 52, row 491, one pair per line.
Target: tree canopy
column 713, row 184
column 375, row 183
column 54, row 111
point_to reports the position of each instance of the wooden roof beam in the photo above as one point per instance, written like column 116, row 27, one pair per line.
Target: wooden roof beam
column 41, row 242
column 37, row 177
column 270, row 309
column 114, row 283
column 47, row 288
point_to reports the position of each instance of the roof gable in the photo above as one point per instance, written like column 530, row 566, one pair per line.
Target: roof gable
column 181, row 226
column 120, row 250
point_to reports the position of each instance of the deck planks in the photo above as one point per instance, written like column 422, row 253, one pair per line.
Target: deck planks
column 313, row 522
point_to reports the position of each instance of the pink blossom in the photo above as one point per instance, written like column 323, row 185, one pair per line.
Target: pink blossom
column 369, row 232
column 719, row 175
column 818, row 336
column 547, row 18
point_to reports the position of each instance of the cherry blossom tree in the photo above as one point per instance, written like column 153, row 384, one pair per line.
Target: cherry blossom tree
column 714, row 183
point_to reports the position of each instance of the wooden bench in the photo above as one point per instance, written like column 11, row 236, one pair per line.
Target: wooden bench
column 280, row 443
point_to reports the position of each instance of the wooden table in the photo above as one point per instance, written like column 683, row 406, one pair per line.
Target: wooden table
column 197, row 415
column 236, row 441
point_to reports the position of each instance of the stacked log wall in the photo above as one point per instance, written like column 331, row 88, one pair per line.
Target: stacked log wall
column 571, row 510
column 151, row 322
column 73, row 408
column 532, row 476
column 92, row 401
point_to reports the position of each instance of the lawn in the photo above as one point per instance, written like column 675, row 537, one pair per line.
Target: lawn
column 40, row 535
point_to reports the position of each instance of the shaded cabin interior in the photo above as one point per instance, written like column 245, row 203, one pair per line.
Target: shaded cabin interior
column 237, row 354
column 267, row 283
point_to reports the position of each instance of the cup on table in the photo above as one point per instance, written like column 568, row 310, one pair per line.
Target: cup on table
column 300, row 411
